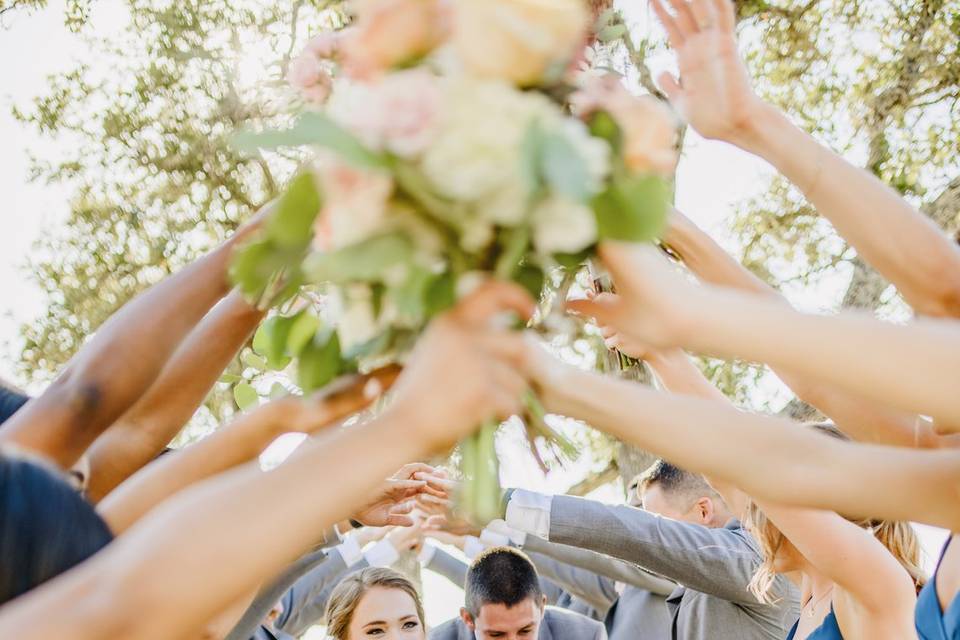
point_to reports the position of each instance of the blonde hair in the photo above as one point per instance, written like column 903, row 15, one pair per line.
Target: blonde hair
column 347, row 595
column 899, row 538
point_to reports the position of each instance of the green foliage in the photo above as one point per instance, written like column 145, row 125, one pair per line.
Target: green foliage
column 633, row 208
column 366, row 261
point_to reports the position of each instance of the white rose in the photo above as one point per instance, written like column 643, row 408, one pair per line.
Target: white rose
column 476, row 234
column 561, row 225
column 357, row 323
column 507, row 206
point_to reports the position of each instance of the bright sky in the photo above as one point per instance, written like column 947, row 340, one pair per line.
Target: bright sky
column 713, row 178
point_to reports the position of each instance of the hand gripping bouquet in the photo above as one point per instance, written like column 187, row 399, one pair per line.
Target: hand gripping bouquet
column 447, row 143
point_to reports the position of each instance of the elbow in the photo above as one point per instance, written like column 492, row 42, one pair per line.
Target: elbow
column 943, row 281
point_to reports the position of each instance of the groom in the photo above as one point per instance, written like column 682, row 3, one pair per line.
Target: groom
column 504, row 601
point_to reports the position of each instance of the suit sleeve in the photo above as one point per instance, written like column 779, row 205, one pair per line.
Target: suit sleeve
column 448, row 566
column 597, row 591
column 600, row 564
column 720, row 562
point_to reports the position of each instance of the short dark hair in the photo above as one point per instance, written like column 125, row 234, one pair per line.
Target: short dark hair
column 501, row 575
column 46, row 528
column 675, row 481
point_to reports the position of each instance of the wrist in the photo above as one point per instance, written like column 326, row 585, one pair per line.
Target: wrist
column 758, row 133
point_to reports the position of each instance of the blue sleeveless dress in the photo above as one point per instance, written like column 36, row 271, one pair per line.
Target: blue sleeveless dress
column 829, row 630
column 932, row 622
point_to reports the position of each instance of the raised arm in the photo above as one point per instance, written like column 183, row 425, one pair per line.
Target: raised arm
column 452, row 383
column 798, row 467
column 597, row 591
column 873, row 581
column 862, row 420
column 715, row 97
column 909, row 367
column 124, row 358
column 601, row 565
column 143, row 431
column 230, row 446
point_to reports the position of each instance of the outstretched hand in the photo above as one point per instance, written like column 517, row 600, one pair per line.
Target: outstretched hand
column 653, row 304
column 714, row 93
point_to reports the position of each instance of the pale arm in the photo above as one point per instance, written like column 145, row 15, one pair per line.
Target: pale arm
column 142, row 432
column 799, row 467
column 716, row 98
column 237, row 443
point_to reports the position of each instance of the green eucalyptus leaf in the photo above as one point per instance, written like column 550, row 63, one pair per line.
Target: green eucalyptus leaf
column 440, row 295
column 245, row 395
column 291, row 223
column 278, row 391
column 531, row 150
column 313, row 129
column 251, row 359
column 302, row 329
column 603, row 125
column 632, row 209
column 319, row 361
column 564, row 169
column 612, row 32
column 531, row 278
column 230, row 378
column 366, row 261
column 270, row 341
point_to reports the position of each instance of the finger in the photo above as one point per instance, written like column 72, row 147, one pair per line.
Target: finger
column 399, row 520
column 406, row 488
column 612, row 343
column 507, row 378
column 608, row 332
column 403, row 508
column 444, row 485
column 629, row 263
column 726, row 18
column 491, row 298
column 410, row 471
column 602, row 312
column 684, row 17
column 704, row 13
column 501, row 346
column 674, row 35
column 672, row 89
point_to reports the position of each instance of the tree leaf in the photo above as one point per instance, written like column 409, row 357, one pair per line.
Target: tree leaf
column 319, row 361
column 313, row 129
column 632, row 209
column 245, row 395
column 291, row 223
column 366, row 261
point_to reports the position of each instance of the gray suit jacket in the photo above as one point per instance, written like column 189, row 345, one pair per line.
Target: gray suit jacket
column 305, row 603
column 455, row 570
column 557, row 625
column 639, row 610
column 713, row 565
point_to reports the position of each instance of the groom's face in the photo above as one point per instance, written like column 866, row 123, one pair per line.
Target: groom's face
column 499, row 622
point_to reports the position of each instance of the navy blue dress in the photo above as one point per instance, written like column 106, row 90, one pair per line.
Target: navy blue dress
column 932, row 622
column 829, row 630
column 10, row 403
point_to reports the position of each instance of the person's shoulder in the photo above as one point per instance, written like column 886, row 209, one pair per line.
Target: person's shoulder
column 449, row 630
column 569, row 624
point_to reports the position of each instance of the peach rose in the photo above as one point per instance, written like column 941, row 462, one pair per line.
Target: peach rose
column 519, row 41
column 355, row 203
column 390, row 33
column 649, row 128
column 308, row 75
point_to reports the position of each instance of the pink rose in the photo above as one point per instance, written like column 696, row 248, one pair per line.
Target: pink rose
column 649, row 128
column 354, row 206
column 398, row 112
column 327, row 45
column 390, row 33
column 307, row 75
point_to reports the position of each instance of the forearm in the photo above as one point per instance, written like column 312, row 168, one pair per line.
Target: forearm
column 710, row 263
column 209, row 529
column 596, row 591
column 230, row 446
column 798, row 467
column 909, row 367
column 904, row 245
column 142, row 432
column 601, row 565
column 124, row 358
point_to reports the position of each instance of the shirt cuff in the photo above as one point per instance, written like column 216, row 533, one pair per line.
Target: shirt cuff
column 473, row 547
column 529, row 512
column 494, row 539
column 382, row 554
column 427, row 551
column 518, row 538
column 350, row 550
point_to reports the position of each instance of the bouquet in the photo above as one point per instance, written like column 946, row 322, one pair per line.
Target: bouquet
column 448, row 141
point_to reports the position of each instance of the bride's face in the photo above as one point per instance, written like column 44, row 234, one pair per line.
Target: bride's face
column 386, row 614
